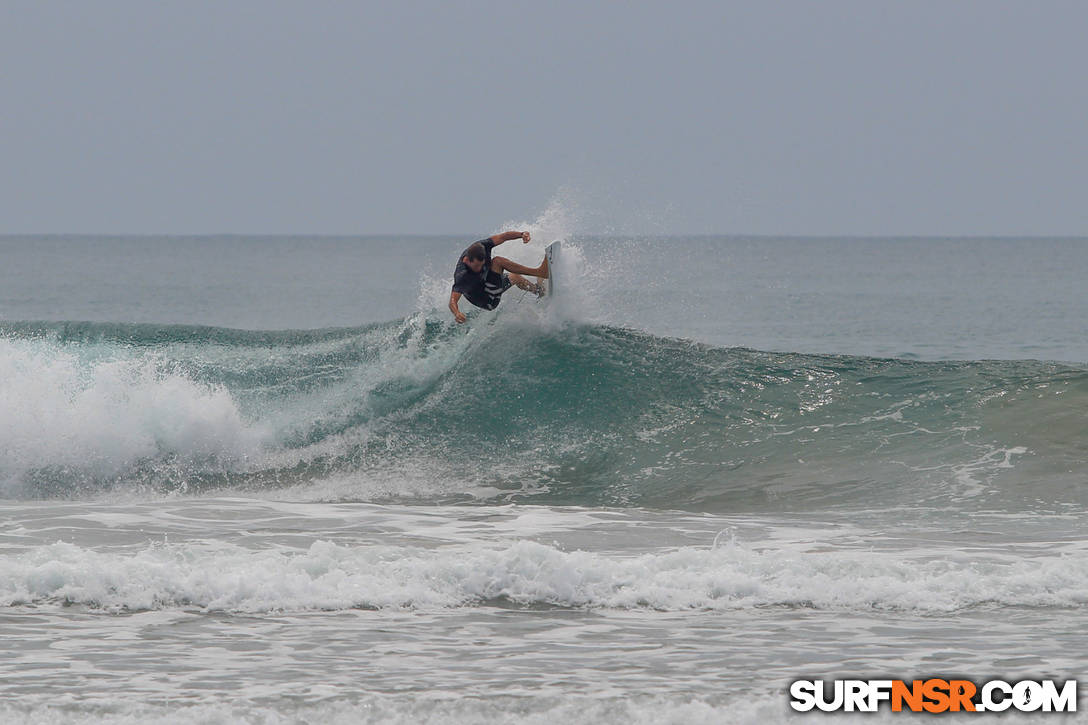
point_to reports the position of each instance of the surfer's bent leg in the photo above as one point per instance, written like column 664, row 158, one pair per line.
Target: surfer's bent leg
column 502, row 264
column 525, row 284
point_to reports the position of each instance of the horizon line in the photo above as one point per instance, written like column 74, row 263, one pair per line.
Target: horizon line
column 593, row 235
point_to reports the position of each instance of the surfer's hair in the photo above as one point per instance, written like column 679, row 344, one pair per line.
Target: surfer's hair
column 476, row 252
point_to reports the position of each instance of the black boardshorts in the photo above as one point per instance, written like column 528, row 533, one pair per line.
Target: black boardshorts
column 494, row 286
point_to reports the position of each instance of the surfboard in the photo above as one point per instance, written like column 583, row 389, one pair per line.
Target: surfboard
column 551, row 253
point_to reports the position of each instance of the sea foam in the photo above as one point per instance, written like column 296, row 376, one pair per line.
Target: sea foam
column 327, row 576
column 64, row 411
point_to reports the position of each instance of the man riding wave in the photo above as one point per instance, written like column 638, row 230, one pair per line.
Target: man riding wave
column 481, row 279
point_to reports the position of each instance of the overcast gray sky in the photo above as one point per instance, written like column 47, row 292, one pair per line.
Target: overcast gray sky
column 835, row 117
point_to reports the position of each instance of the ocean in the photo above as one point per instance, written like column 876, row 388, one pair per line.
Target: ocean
column 263, row 479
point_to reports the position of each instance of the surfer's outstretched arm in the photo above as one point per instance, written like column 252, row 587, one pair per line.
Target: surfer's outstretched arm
column 507, row 236
column 457, row 314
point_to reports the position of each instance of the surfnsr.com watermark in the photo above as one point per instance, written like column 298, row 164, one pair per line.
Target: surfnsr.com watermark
column 934, row 695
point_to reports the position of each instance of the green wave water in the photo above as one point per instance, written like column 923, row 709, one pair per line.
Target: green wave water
column 518, row 408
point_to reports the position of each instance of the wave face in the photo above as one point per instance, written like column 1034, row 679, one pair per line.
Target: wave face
column 519, row 407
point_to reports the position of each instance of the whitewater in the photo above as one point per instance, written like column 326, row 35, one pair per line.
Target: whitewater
column 269, row 480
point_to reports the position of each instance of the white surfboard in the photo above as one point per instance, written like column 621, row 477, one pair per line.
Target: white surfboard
column 551, row 253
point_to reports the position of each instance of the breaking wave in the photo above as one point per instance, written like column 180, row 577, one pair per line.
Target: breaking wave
column 524, row 407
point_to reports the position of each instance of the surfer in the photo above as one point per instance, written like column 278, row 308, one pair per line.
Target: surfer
column 482, row 279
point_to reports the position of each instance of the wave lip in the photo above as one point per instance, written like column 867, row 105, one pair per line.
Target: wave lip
column 326, row 576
